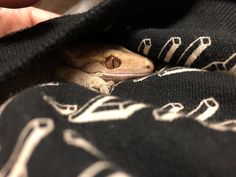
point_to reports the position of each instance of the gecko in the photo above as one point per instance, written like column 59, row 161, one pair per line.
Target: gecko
column 100, row 66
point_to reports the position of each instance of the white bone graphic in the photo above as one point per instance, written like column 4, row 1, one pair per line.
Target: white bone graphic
column 205, row 109
column 90, row 111
column 168, row 112
column 74, row 139
column 95, row 169
column 204, row 42
column 119, row 174
column 176, row 70
column 145, row 77
column 63, row 109
column 49, row 84
column 172, row 111
column 115, row 85
column 119, row 111
column 227, row 65
column 29, row 138
column 4, row 105
column 100, row 166
column 166, row 71
column 174, row 43
column 228, row 125
column 202, row 113
column 145, row 46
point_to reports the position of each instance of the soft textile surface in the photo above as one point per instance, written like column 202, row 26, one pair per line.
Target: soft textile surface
column 67, row 7
column 178, row 122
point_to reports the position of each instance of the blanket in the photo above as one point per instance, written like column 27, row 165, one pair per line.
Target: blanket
column 178, row 122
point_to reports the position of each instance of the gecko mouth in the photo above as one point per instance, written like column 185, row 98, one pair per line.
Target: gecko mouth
column 123, row 76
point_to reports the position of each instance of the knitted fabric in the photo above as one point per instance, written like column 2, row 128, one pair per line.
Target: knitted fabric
column 178, row 122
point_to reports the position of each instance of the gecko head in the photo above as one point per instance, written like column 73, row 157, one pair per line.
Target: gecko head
column 112, row 62
column 126, row 68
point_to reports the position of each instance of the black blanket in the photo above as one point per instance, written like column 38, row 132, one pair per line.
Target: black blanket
column 178, row 122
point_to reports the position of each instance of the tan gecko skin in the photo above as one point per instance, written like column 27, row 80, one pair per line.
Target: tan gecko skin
column 99, row 66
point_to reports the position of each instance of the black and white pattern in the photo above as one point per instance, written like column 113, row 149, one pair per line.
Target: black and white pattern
column 179, row 121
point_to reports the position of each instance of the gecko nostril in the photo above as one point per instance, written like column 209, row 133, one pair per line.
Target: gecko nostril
column 148, row 67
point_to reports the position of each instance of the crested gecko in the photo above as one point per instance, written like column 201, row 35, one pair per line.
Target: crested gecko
column 99, row 66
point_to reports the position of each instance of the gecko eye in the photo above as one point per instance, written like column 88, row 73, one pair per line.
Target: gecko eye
column 112, row 62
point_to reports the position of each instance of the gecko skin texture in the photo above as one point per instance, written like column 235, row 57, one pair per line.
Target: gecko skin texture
column 99, row 66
